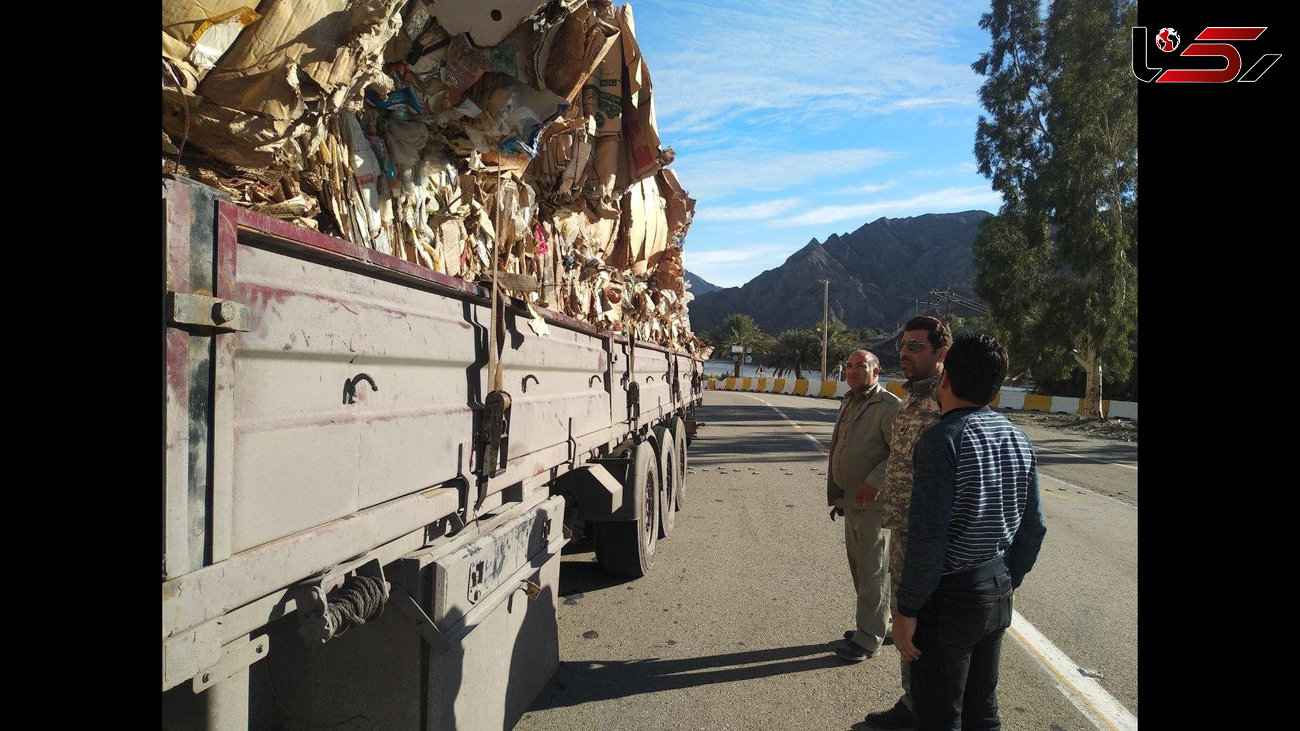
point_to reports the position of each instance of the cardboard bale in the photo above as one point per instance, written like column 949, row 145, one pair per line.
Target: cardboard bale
column 396, row 127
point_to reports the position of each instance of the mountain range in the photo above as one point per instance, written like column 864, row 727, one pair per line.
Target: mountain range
column 877, row 273
column 699, row 286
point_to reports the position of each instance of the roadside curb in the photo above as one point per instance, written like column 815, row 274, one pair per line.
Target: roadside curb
column 1015, row 400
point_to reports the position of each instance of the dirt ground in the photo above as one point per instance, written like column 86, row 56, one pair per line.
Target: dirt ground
column 1119, row 429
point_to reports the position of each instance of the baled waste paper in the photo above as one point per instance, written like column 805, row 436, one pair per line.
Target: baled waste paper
column 515, row 137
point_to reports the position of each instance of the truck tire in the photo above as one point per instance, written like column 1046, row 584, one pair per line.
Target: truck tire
column 668, row 483
column 627, row 547
column 679, row 438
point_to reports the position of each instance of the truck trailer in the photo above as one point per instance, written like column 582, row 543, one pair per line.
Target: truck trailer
column 370, row 470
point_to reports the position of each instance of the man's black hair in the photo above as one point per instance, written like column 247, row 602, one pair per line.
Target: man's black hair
column 939, row 332
column 976, row 365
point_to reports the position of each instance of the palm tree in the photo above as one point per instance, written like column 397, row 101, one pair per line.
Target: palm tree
column 795, row 349
column 738, row 329
column 840, row 343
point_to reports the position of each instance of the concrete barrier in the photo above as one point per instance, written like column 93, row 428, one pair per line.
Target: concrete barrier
column 1122, row 410
column 1035, row 402
column 1064, row 405
column 1012, row 400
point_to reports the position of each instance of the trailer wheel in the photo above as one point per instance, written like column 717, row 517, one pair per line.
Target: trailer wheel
column 679, row 439
column 668, row 483
column 627, row 547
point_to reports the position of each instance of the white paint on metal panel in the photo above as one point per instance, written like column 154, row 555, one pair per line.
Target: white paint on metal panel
column 302, row 456
column 250, row 575
column 176, row 516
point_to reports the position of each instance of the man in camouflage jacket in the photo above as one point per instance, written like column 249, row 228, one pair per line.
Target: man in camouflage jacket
column 924, row 344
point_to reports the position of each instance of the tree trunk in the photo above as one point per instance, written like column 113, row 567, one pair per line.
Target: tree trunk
column 1086, row 355
column 1092, row 395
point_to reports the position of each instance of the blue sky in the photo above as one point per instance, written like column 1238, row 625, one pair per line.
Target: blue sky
column 795, row 120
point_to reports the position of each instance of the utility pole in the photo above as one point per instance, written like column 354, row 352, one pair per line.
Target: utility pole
column 826, row 299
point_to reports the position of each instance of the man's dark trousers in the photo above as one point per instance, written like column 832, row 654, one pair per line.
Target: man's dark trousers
column 959, row 633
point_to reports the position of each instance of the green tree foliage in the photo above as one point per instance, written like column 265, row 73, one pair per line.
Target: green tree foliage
column 737, row 329
column 1058, row 264
column 795, row 350
column 840, row 342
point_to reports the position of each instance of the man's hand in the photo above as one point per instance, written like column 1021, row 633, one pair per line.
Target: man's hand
column 904, row 629
column 835, row 512
column 866, row 494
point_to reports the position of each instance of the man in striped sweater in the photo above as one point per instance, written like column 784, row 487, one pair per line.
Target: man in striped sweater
column 975, row 528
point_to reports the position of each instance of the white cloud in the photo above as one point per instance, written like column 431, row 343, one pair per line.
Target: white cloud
column 718, row 173
column 868, row 188
column 750, row 212
column 963, row 168
column 787, row 64
column 937, row 201
column 735, row 267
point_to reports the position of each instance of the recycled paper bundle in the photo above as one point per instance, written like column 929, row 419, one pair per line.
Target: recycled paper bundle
column 446, row 133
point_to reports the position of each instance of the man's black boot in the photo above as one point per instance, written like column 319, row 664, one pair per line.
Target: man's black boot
column 897, row 717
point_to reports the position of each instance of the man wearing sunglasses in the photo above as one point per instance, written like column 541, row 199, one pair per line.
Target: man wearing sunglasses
column 924, row 344
column 859, row 446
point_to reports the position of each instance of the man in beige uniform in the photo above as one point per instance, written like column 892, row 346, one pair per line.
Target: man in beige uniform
column 859, row 446
column 922, row 348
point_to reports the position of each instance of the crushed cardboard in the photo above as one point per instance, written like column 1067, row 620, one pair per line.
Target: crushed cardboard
column 440, row 132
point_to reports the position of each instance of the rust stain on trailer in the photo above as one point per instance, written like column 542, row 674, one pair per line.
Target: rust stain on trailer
column 177, row 364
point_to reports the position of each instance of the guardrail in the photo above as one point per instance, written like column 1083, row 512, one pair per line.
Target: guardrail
column 1006, row 399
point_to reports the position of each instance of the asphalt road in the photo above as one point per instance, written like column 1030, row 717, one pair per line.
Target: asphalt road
column 732, row 629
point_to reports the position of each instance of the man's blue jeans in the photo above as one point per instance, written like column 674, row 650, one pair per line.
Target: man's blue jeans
column 959, row 633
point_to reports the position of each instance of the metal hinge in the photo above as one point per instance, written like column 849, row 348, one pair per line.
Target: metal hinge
column 204, row 311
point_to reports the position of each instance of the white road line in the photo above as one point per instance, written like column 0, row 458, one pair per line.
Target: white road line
column 1090, row 459
column 797, row 426
column 1084, row 692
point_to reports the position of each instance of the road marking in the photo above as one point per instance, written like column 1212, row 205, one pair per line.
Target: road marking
column 1090, row 459
column 1084, row 692
column 797, row 427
